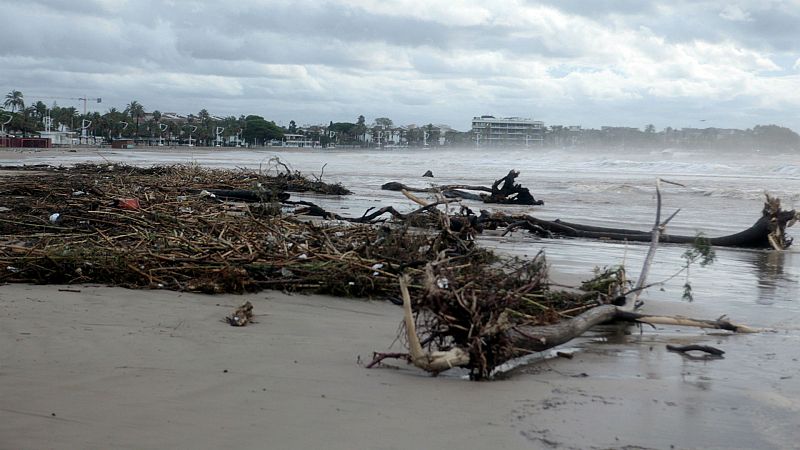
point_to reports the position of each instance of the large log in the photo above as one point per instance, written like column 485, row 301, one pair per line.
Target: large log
column 539, row 338
column 767, row 232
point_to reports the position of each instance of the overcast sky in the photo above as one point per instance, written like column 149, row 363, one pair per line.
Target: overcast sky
column 600, row 62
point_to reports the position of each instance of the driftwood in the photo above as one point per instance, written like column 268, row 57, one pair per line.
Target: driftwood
column 767, row 232
column 481, row 333
column 527, row 339
column 503, row 190
column 531, row 338
column 510, row 192
column 397, row 186
column 700, row 348
column 370, row 216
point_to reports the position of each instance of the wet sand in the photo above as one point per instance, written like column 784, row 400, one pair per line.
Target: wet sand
column 116, row 368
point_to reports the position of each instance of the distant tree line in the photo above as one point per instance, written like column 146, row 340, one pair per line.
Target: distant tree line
column 134, row 122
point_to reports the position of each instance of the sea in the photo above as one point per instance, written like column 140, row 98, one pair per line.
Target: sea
column 750, row 397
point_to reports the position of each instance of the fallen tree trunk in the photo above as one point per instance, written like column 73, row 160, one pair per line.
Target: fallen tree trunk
column 397, row 186
column 539, row 338
column 767, row 232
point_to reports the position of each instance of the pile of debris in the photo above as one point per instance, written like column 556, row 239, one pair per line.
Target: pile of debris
column 207, row 230
column 186, row 228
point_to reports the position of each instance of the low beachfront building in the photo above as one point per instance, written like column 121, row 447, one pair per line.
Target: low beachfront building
column 490, row 131
column 295, row 141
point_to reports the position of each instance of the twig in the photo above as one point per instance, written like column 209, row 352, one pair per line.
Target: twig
column 694, row 347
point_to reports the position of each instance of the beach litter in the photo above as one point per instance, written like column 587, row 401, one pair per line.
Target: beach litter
column 241, row 316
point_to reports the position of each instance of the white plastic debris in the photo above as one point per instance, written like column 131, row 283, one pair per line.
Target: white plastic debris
column 54, row 217
column 204, row 193
column 78, row 193
column 376, row 267
column 442, row 283
column 303, row 256
column 12, row 269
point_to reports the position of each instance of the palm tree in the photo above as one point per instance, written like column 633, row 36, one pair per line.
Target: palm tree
column 41, row 110
column 204, row 131
column 14, row 99
column 136, row 111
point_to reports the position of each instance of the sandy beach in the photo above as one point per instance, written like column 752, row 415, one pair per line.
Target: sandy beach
column 116, row 368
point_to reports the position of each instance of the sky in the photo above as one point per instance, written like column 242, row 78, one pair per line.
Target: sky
column 726, row 64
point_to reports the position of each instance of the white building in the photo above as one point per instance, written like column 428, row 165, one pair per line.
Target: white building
column 295, row 141
column 58, row 138
column 490, row 131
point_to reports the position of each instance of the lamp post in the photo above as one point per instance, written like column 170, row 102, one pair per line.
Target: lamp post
column 162, row 128
column 218, row 133
column 192, row 129
column 85, row 124
column 3, row 125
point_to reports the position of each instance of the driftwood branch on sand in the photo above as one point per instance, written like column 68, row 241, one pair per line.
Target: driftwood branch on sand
column 527, row 339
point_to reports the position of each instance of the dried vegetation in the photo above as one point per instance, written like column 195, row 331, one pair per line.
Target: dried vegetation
column 78, row 225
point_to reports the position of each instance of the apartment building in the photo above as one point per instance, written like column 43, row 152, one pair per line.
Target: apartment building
column 490, row 131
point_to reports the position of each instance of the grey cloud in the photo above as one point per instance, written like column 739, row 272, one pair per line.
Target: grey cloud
column 320, row 61
column 779, row 30
column 597, row 8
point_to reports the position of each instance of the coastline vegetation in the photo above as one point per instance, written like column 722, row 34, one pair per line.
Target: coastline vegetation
column 201, row 128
